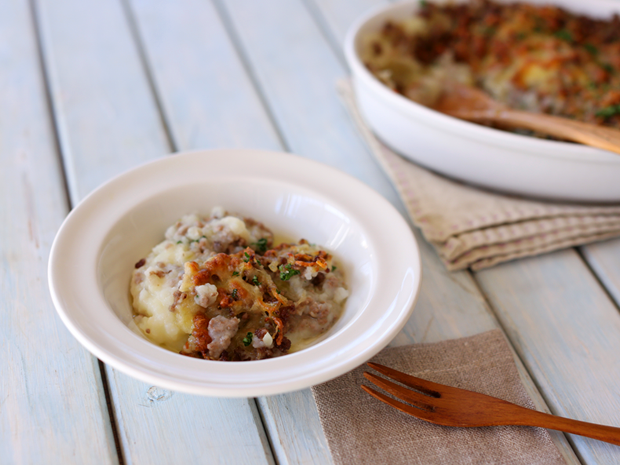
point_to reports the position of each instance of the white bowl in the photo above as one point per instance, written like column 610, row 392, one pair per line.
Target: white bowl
column 94, row 253
column 476, row 154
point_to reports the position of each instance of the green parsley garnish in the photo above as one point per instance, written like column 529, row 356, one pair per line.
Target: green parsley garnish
column 255, row 280
column 287, row 272
column 247, row 257
column 609, row 111
column 179, row 242
column 234, row 293
column 334, row 268
column 423, row 3
column 591, row 48
column 607, row 67
column 489, row 31
column 261, row 245
column 539, row 25
column 564, row 35
column 247, row 340
column 235, row 273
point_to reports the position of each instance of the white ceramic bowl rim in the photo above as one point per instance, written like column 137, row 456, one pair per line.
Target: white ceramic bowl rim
column 540, row 147
column 79, row 300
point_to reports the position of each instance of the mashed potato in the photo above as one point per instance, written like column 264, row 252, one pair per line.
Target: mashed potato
column 217, row 289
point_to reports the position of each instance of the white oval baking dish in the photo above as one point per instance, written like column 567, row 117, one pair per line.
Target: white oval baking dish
column 476, row 154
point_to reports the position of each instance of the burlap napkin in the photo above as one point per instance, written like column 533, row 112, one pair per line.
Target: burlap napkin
column 363, row 430
column 474, row 228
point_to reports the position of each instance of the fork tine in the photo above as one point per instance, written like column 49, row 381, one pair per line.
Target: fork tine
column 427, row 387
column 419, row 400
column 408, row 409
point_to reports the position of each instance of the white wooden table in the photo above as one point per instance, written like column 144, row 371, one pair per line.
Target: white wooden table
column 90, row 88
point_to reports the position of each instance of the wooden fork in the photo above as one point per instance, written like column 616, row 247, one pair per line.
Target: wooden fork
column 450, row 406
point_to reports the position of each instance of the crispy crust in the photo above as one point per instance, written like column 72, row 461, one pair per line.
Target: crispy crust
column 244, row 303
column 251, row 288
column 538, row 58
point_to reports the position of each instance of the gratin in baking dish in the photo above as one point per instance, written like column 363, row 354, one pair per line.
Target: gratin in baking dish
column 475, row 154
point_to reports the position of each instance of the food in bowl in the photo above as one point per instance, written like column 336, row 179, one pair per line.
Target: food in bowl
column 536, row 58
column 218, row 289
column 94, row 253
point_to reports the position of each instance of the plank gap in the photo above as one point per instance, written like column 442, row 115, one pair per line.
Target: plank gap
column 108, row 400
column 586, row 262
column 245, row 62
column 49, row 103
column 144, row 62
column 558, row 437
column 319, row 18
column 268, row 435
column 500, row 325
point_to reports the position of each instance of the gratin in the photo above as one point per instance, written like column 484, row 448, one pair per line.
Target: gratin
column 217, row 288
column 536, row 58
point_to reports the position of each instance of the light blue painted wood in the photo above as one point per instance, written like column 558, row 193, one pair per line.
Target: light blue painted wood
column 166, row 427
column 109, row 122
column 206, row 94
column 337, row 17
column 52, row 405
column 566, row 330
column 450, row 304
column 287, row 62
column 107, row 119
column 604, row 258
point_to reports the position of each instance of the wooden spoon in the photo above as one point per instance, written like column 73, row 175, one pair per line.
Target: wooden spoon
column 472, row 104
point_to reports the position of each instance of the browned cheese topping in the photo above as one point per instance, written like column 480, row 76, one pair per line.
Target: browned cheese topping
column 241, row 303
column 537, row 58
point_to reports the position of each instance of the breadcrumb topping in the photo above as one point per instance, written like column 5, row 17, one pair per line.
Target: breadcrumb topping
column 217, row 288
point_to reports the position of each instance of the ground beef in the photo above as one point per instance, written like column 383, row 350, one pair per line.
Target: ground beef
column 198, row 295
column 221, row 331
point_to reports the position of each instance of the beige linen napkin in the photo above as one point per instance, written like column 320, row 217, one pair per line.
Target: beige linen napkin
column 363, row 430
column 470, row 227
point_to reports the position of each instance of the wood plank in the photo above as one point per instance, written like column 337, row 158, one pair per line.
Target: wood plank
column 306, row 109
column 337, row 16
column 604, row 259
column 450, row 304
column 566, row 330
column 189, row 429
column 109, row 121
column 52, row 404
column 99, row 93
column 207, row 97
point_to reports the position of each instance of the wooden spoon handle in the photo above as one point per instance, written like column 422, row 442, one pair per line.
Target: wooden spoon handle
column 588, row 134
column 604, row 433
